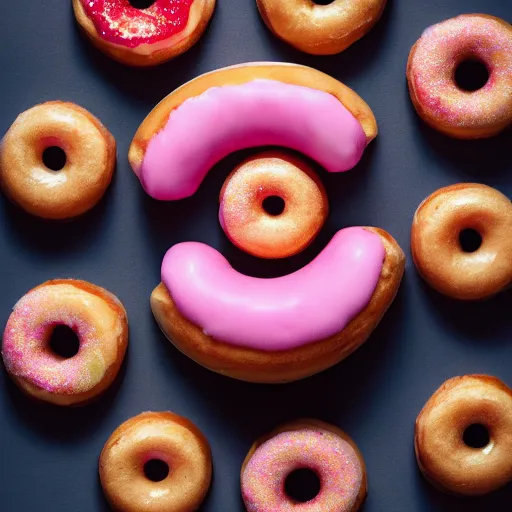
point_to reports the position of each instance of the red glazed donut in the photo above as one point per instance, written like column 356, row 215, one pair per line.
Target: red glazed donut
column 431, row 75
column 143, row 37
column 250, row 227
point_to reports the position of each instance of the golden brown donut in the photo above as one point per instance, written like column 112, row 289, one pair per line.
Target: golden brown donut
column 282, row 366
column 431, row 74
column 99, row 321
column 436, row 247
column 272, row 174
column 320, row 29
column 143, row 36
column 304, row 444
column 443, row 455
column 90, row 160
column 165, row 438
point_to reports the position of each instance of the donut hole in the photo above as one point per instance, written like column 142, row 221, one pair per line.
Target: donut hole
column 471, row 75
column 323, row 2
column 273, row 205
column 64, row 342
column 141, row 4
column 476, row 436
column 302, row 485
column 54, row 158
column 156, row 470
column 470, row 240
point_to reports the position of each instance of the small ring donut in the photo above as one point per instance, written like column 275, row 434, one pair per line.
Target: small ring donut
column 156, row 436
column 304, row 444
column 143, row 36
column 431, row 76
column 320, row 29
column 273, row 174
column 436, row 247
column 443, row 455
column 90, row 160
column 98, row 319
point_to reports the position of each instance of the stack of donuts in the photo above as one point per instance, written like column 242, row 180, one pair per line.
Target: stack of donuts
column 57, row 160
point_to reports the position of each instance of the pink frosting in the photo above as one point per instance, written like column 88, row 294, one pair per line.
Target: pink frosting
column 311, row 304
column 332, row 458
column 206, row 128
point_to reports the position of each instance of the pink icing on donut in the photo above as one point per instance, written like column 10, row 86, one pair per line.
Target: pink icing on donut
column 206, row 128
column 332, row 458
column 441, row 49
column 311, row 304
column 25, row 347
column 118, row 22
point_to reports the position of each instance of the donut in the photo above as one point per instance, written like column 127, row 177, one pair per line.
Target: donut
column 320, row 29
column 281, row 329
column 156, row 32
column 435, row 93
column 97, row 318
column 438, row 228
column 156, row 461
column 250, row 105
column 304, row 444
column 451, row 459
column 242, row 211
column 79, row 182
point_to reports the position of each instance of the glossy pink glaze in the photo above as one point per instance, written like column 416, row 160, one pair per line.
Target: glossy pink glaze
column 311, row 304
column 332, row 458
column 118, row 22
column 206, row 128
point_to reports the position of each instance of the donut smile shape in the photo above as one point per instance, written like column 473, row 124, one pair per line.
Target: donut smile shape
column 143, row 37
column 444, row 456
column 283, row 329
column 248, row 106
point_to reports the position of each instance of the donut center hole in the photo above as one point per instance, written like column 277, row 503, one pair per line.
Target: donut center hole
column 64, row 342
column 476, row 436
column 141, row 4
column 323, row 2
column 470, row 240
column 302, row 485
column 273, row 205
column 471, row 75
column 54, row 158
column 156, row 470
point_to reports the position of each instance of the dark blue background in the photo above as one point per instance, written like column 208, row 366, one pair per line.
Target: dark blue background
column 48, row 456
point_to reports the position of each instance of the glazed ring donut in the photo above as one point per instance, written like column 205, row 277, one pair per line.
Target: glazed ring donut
column 304, row 444
column 98, row 320
column 154, row 33
column 90, row 155
column 242, row 211
column 449, row 453
column 156, row 461
column 320, row 29
column 437, row 97
column 437, row 233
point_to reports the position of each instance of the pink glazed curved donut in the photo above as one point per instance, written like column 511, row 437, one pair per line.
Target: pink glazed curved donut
column 304, row 444
column 431, row 75
column 281, row 329
column 243, row 107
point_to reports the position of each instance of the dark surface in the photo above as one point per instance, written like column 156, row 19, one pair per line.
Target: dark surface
column 48, row 456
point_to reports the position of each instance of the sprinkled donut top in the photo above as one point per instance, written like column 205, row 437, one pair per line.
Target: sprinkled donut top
column 327, row 454
column 26, row 350
column 118, row 22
